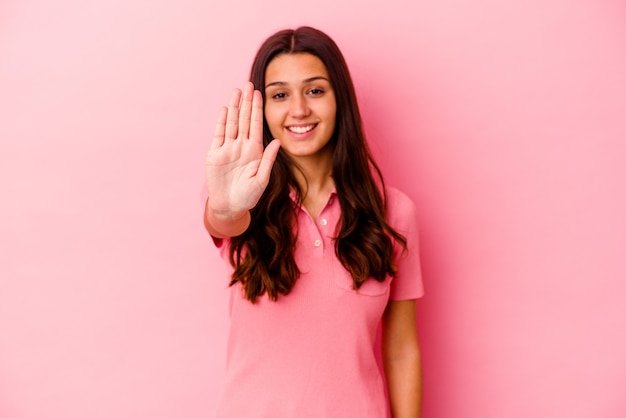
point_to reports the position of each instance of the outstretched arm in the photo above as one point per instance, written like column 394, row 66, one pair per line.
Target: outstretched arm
column 401, row 358
column 237, row 167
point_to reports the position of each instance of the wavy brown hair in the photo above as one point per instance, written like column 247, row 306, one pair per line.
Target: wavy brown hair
column 263, row 256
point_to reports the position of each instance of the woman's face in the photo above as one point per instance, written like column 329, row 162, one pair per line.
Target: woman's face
column 300, row 105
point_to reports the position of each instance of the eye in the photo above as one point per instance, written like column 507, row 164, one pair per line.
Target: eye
column 278, row 96
column 316, row 92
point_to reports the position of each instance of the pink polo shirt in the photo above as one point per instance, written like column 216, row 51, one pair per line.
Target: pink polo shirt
column 311, row 353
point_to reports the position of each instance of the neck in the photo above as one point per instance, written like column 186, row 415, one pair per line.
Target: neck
column 314, row 176
column 314, row 173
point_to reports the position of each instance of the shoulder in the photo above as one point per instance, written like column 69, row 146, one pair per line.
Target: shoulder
column 400, row 207
column 401, row 213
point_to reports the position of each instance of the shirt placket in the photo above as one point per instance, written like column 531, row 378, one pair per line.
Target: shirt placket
column 319, row 237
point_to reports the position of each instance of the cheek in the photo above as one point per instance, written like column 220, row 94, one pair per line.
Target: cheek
column 326, row 110
column 331, row 110
column 276, row 129
column 270, row 118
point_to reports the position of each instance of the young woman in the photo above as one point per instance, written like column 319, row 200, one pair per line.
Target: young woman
column 322, row 253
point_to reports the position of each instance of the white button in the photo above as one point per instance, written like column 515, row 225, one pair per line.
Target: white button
column 317, row 243
column 324, row 222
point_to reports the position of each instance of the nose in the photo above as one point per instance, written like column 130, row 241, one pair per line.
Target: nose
column 298, row 106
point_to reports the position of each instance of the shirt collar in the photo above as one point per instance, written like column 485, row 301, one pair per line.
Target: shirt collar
column 294, row 197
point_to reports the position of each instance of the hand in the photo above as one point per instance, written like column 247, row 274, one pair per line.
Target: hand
column 237, row 167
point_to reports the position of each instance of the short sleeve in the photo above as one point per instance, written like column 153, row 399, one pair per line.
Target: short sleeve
column 402, row 216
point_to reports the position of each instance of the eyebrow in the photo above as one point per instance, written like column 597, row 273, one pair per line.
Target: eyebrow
column 305, row 81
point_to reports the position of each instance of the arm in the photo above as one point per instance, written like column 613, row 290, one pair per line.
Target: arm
column 401, row 358
column 225, row 225
column 237, row 167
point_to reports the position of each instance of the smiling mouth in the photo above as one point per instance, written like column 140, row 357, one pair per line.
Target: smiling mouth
column 301, row 129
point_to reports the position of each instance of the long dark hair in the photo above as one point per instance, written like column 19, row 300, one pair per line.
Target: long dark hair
column 263, row 256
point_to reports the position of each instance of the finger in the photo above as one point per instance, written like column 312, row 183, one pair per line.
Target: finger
column 245, row 111
column 256, row 122
column 232, row 118
column 267, row 161
column 220, row 128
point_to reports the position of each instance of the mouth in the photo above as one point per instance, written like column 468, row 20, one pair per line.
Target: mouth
column 301, row 129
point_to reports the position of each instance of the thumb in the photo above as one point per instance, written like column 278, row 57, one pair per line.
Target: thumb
column 267, row 161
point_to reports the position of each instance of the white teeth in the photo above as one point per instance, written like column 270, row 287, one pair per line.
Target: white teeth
column 300, row 129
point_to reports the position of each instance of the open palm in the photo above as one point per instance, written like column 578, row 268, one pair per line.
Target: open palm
column 237, row 167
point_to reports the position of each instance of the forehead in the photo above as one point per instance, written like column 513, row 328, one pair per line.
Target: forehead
column 294, row 68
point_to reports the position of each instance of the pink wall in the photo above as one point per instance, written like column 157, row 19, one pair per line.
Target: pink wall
column 505, row 121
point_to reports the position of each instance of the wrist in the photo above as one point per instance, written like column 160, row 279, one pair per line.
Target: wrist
column 226, row 223
column 225, row 214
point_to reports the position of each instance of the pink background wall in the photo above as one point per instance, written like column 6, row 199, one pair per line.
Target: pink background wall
column 504, row 121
